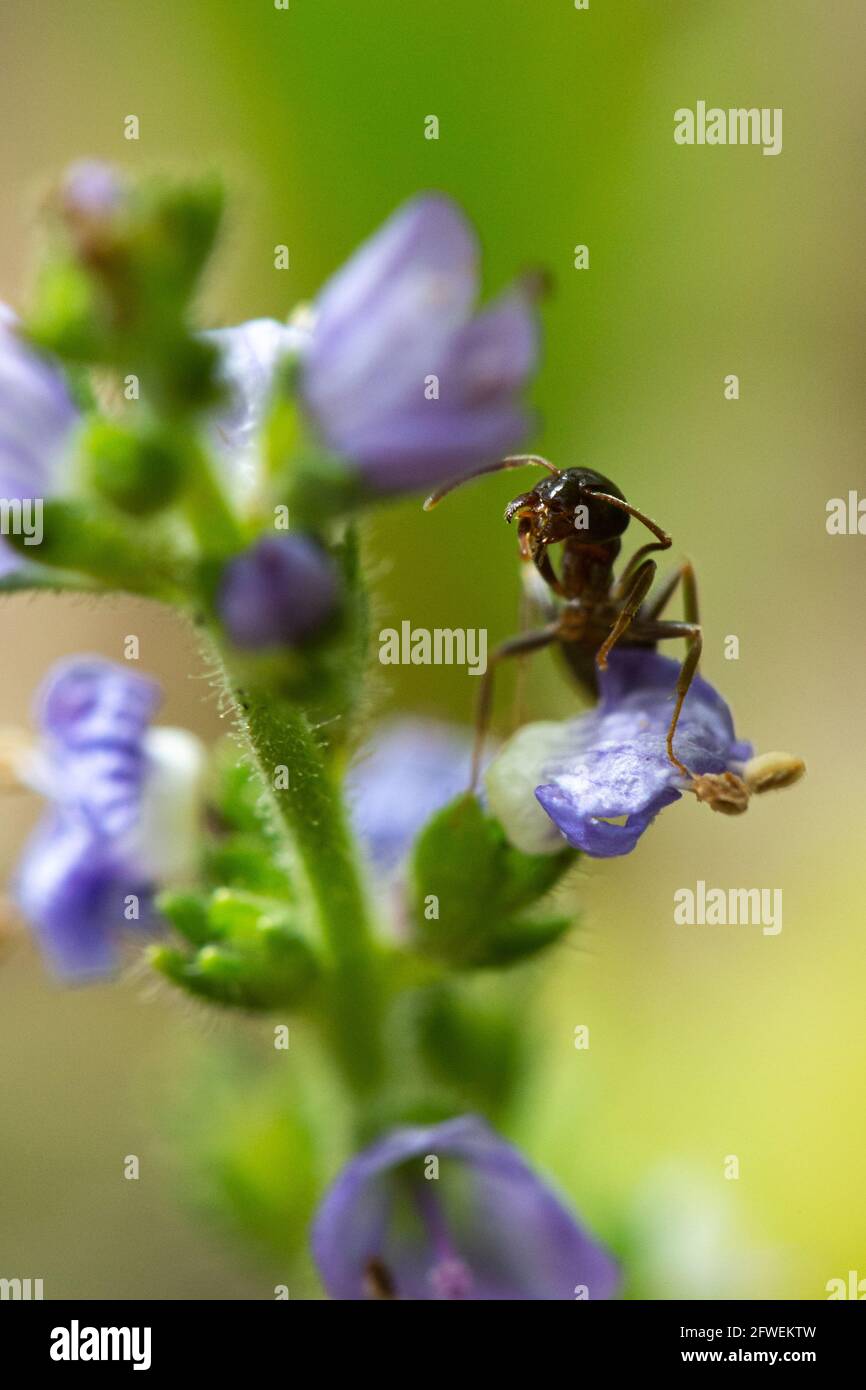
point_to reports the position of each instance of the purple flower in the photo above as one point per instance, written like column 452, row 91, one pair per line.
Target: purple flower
column 37, row 421
column 399, row 375
column 611, row 764
column 123, row 808
column 279, row 592
column 407, row 772
column 399, row 314
column 487, row 1227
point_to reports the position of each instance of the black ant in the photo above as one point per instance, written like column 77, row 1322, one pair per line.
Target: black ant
column 588, row 514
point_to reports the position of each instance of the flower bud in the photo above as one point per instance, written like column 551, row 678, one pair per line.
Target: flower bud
column 278, row 593
column 90, row 191
column 138, row 473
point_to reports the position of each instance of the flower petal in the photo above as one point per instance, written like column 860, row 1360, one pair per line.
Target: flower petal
column 487, row 1228
column 383, row 319
column 612, row 763
column 94, row 716
column 71, row 888
column 408, row 771
column 250, row 355
column 384, row 323
column 475, row 415
column 37, row 420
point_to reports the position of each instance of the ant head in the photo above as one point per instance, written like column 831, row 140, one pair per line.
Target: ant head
column 565, row 505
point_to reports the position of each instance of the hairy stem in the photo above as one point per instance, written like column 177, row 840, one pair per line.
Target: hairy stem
column 312, row 812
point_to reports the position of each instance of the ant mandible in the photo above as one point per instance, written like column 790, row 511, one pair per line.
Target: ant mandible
column 588, row 514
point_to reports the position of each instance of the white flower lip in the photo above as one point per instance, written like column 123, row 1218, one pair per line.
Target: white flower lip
column 170, row 818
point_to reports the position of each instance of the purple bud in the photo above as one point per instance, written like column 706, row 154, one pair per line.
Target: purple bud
column 279, row 592
column 91, row 189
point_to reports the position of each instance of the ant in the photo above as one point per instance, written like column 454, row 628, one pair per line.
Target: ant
column 588, row 514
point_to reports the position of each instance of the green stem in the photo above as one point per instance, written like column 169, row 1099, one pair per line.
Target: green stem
column 207, row 509
column 312, row 811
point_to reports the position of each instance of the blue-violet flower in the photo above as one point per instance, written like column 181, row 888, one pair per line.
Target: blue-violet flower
column 407, row 771
column 452, row 1211
column 124, row 813
column 611, row 765
column 37, row 422
column 398, row 373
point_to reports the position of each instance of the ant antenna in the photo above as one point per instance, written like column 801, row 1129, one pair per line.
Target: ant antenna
column 512, row 461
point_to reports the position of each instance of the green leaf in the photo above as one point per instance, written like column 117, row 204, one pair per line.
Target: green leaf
column 464, row 868
column 33, row 578
column 81, row 537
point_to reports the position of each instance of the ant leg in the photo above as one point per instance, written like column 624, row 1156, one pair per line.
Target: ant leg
column 535, row 603
column 685, row 575
column 620, row 588
column 519, row 701
column 640, row 587
column 692, row 632
column 515, row 646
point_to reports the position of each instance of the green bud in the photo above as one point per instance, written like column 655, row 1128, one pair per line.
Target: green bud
column 65, row 312
column 187, row 912
column 139, row 473
column 471, row 890
column 246, row 862
column 181, row 222
column 249, row 954
column 117, row 292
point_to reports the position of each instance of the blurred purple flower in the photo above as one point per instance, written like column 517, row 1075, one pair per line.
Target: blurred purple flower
column 37, row 421
column 407, row 772
column 123, row 800
column 279, row 592
column 91, row 189
column 612, row 762
column 399, row 313
column 486, row 1228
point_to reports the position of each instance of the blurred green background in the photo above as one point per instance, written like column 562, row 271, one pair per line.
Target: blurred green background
column 555, row 129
